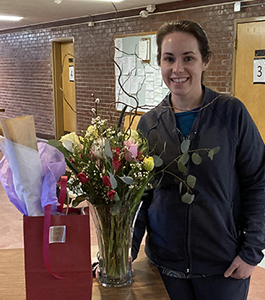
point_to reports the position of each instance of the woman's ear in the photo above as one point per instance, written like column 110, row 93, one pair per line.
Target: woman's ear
column 207, row 61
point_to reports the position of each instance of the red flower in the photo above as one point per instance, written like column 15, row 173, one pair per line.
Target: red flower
column 111, row 194
column 116, row 163
column 106, row 180
column 82, row 177
column 139, row 156
column 72, row 160
column 117, row 150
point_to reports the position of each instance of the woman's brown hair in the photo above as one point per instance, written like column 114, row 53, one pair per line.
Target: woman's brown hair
column 187, row 26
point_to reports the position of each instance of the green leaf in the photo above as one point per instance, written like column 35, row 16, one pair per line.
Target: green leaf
column 78, row 200
column 140, row 192
column 58, row 145
column 107, row 150
column 191, row 181
column 185, row 145
column 187, row 198
column 184, row 158
column 158, row 182
column 127, row 179
column 127, row 194
column 216, row 150
column 213, row 151
column 181, row 167
column 113, row 181
column 196, row 158
column 116, row 197
column 157, row 161
column 116, row 208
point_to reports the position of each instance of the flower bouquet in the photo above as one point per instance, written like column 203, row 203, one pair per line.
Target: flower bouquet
column 109, row 168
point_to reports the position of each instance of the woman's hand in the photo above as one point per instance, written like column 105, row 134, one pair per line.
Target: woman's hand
column 239, row 269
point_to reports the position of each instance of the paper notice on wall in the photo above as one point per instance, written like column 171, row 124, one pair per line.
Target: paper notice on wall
column 118, row 65
column 134, row 84
column 125, row 65
column 118, row 47
column 132, row 64
column 144, row 49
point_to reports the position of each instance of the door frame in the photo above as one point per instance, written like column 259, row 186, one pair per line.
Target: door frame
column 57, row 84
column 236, row 22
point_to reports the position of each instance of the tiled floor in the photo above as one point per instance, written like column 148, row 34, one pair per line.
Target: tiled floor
column 11, row 224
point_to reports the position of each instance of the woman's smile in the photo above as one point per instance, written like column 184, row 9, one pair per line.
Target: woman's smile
column 179, row 80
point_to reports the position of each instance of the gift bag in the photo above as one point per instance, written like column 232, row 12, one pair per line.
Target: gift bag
column 61, row 270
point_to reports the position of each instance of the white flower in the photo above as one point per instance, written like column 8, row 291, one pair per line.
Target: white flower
column 98, row 148
column 97, row 100
column 70, row 141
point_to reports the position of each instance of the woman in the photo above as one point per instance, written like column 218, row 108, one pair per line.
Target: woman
column 205, row 248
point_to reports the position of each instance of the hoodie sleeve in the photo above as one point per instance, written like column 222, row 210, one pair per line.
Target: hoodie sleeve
column 250, row 164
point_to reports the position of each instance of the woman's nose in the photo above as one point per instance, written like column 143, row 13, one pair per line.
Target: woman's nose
column 177, row 66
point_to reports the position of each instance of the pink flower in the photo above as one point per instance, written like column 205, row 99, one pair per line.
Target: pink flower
column 106, row 180
column 82, row 177
column 131, row 150
column 111, row 194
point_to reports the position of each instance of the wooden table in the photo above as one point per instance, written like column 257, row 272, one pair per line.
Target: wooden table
column 147, row 282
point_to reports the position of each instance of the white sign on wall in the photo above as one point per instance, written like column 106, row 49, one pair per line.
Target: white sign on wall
column 259, row 70
column 71, row 74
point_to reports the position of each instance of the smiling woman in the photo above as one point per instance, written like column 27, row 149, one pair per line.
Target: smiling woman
column 205, row 242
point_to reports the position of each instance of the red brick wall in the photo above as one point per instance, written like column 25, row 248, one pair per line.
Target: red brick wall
column 26, row 67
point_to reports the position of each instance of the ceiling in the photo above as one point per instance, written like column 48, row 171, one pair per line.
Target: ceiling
column 43, row 11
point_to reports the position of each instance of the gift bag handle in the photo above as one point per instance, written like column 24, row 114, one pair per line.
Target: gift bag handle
column 47, row 225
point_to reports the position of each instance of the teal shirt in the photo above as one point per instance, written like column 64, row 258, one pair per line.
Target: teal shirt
column 185, row 120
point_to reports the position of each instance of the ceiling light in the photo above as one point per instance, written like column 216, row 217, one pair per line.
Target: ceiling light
column 151, row 8
column 10, row 18
column 111, row 0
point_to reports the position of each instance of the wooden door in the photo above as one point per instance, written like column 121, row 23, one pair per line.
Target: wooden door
column 68, row 86
column 249, row 45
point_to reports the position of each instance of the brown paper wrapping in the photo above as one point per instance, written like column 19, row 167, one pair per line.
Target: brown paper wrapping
column 20, row 130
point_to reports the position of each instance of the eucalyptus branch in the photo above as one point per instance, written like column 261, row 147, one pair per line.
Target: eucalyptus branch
column 180, row 179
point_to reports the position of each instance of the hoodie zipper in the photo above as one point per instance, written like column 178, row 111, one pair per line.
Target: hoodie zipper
column 187, row 237
column 191, row 137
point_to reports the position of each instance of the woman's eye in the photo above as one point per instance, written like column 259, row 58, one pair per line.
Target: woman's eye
column 169, row 59
column 188, row 58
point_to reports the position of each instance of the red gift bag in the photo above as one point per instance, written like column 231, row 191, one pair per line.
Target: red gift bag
column 66, row 272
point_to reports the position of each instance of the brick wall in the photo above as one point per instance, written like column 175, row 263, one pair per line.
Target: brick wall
column 26, row 85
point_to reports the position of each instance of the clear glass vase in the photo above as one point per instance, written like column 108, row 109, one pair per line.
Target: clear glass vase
column 114, row 234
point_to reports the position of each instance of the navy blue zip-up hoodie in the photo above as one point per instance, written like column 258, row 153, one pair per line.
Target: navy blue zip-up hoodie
column 227, row 216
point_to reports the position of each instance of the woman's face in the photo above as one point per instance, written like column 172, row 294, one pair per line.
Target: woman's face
column 182, row 66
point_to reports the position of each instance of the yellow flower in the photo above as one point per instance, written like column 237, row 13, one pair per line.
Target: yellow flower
column 70, row 141
column 132, row 135
column 92, row 131
column 148, row 163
